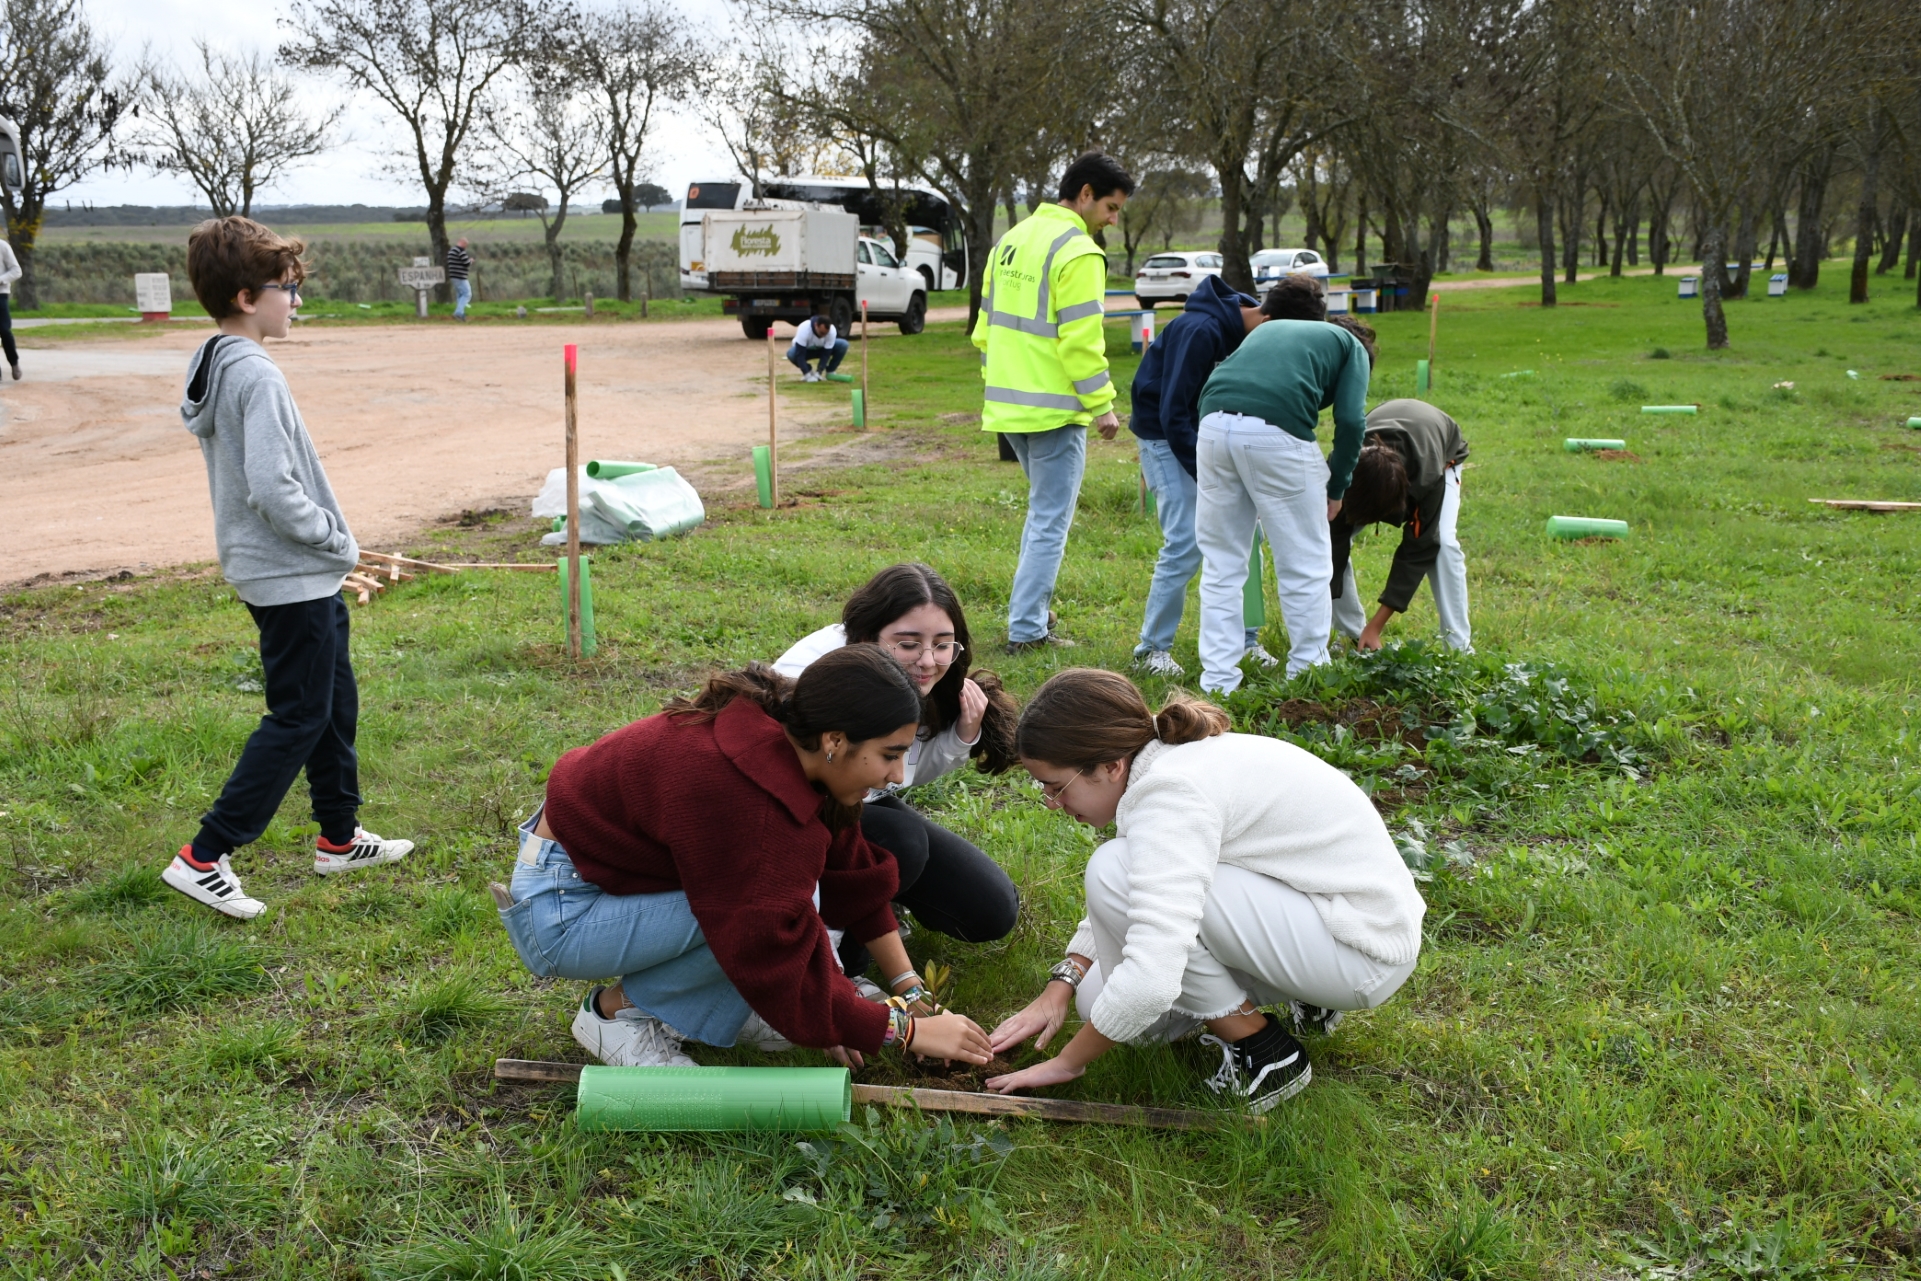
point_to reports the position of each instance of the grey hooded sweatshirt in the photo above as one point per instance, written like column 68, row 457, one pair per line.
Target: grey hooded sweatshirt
column 281, row 535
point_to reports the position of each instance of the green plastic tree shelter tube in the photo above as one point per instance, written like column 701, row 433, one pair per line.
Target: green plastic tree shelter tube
column 1253, row 602
column 586, row 604
column 840, row 378
column 713, row 1098
column 860, row 408
column 1670, row 409
column 1585, row 527
column 608, row 471
column 764, row 474
column 1915, row 423
column 1423, row 376
column 1576, row 444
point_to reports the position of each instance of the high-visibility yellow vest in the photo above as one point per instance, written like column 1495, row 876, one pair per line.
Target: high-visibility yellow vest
column 1043, row 354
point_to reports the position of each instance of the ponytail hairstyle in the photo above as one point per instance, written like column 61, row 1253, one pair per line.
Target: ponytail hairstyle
column 901, row 589
column 858, row 690
column 1085, row 717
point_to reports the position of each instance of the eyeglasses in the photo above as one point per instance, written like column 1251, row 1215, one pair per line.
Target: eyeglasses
column 293, row 291
column 944, row 652
column 1051, row 793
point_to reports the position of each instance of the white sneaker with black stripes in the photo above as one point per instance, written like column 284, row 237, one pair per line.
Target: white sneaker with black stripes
column 364, row 850
column 216, row 886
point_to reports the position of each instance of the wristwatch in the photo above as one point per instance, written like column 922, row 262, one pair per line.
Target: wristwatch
column 1067, row 972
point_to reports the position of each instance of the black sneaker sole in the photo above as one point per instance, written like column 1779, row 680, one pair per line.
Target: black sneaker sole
column 1281, row 1094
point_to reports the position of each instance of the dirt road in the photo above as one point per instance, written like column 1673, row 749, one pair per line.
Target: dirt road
column 413, row 423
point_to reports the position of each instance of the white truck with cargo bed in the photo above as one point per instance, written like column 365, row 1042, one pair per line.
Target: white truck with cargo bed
column 791, row 264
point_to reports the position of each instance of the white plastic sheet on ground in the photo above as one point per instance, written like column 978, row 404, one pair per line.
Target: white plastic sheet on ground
column 637, row 508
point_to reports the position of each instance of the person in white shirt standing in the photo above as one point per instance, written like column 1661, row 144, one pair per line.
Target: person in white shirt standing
column 1244, row 872
column 9, row 272
column 948, row 882
column 817, row 340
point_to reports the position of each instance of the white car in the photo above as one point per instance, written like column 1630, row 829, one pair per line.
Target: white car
column 1172, row 277
column 1271, row 264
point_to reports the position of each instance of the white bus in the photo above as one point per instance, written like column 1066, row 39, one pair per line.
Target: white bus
column 936, row 244
column 12, row 163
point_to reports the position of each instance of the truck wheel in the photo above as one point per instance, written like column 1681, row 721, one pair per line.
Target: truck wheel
column 916, row 318
column 756, row 327
column 840, row 314
column 927, row 274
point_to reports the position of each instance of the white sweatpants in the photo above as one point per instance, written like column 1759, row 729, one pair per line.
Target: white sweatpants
column 1448, row 581
column 1248, row 471
column 1259, row 939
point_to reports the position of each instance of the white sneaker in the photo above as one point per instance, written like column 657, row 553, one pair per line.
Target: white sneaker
column 217, row 887
column 629, row 1039
column 366, row 850
column 810, row 377
column 757, row 1032
column 1159, row 663
column 868, row 990
column 1259, row 656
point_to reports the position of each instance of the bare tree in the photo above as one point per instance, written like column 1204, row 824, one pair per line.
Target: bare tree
column 232, row 131
column 429, row 62
column 552, row 132
column 634, row 58
column 57, row 83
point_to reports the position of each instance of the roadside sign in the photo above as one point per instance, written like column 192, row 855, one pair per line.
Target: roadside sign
column 422, row 277
column 152, row 294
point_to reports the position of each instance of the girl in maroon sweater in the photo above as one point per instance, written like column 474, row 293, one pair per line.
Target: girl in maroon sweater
column 703, row 853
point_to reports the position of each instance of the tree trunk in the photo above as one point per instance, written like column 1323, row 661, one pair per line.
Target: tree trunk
column 1544, row 229
column 1914, row 240
column 1744, row 246
column 624, row 251
column 1234, row 269
column 1634, row 232
column 1571, row 250
column 1778, row 240
column 1622, row 230
column 1713, row 273
column 1804, row 260
column 1360, row 233
column 1485, row 226
column 437, row 235
column 1896, row 227
column 1864, row 219
column 552, row 230
column 1601, row 233
column 1658, row 216
column 1441, row 240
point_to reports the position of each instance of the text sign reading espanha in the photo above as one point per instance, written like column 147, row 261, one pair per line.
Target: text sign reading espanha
column 152, row 292
column 422, row 277
column 747, row 243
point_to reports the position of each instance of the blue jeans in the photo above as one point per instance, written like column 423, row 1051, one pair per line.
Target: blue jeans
column 567, row 927
column 1180, row 559
column 1054, row 461
column 463, row 293
column 829, row 357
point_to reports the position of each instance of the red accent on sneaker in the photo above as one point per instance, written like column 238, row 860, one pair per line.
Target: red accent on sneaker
column 186, row 856
column 331, row 848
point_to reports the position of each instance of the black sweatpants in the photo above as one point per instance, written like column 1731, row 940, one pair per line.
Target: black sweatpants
column 313, row 708
column 949, row 884
column 6, row 330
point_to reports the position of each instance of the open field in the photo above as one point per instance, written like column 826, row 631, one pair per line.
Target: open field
column 583, row 227
column 1666, row 1022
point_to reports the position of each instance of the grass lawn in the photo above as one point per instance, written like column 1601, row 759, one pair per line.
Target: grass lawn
column 1665, row 1023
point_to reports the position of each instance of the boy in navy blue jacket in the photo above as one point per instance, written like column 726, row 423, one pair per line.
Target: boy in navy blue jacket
column 1166, row 397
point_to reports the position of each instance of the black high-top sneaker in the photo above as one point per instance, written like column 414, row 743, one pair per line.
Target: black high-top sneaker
column 1263, row 1068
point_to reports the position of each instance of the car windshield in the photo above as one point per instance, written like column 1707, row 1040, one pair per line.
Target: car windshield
column 1166, row 260
column 884, row 256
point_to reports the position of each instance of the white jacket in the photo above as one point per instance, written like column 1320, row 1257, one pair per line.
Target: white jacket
column 1256, row 803
column 928, row 758
column 9, row 268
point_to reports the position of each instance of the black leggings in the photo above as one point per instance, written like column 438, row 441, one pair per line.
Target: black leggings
column 949, row 884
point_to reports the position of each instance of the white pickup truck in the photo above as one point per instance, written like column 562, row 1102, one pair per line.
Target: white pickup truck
column 790, row 264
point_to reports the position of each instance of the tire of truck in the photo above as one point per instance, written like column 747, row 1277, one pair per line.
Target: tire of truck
column 927, row 274
column 840, row 314
column 756, row 327
column 916, row 318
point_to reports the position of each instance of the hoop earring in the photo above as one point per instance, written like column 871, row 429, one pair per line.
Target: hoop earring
column 830, row 758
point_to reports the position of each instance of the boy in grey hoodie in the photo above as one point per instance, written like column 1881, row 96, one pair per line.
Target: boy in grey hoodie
column 285, row 547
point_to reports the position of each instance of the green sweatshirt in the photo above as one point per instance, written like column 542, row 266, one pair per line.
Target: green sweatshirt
column 1285, row 373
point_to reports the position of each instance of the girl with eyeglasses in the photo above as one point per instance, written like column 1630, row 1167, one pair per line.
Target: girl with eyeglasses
column 948, row 882
column 1245, row 872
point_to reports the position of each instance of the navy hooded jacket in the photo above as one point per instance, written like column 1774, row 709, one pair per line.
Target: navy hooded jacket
column 1167, row 386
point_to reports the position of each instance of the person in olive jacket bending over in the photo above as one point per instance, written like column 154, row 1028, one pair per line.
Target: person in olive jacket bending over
column 1408, row 474
column 703, row 852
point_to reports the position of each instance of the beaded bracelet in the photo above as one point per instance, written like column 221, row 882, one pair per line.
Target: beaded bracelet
column 900, row 1027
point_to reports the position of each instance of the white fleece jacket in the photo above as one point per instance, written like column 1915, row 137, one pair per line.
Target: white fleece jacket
column 1256, row 803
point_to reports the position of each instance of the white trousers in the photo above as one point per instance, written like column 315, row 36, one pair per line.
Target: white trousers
column 1259, row 939
column 1248, row 471
column 1448, row 581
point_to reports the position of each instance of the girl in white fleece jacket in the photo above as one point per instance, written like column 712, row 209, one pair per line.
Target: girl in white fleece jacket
column 1245, row 872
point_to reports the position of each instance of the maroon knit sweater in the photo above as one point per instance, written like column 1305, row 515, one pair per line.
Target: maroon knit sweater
column 722, row 810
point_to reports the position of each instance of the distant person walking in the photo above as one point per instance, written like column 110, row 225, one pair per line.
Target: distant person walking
column 460, row 264
column 1044, row 359
column 9, row 272
column 285, row 547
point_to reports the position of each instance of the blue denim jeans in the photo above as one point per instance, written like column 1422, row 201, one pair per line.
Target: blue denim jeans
column 1053, row 461
column 829, row 357
column 463, row 294
column 1180, row 557
column 567, row 927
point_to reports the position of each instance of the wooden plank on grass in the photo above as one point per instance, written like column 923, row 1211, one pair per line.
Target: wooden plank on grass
column 1866, row 505
column 950, row 1101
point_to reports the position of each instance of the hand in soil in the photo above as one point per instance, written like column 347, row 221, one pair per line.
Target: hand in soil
column 1041, row 1019
column 1052, row 1072
column 951, row 1036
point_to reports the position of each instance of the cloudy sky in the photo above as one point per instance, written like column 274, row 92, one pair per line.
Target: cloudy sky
column 683, row 150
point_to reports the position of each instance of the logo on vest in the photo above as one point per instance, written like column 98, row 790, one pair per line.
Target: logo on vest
column 748, row 243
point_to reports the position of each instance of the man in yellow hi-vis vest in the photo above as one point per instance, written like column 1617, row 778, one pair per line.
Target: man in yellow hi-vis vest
column 1044, row 359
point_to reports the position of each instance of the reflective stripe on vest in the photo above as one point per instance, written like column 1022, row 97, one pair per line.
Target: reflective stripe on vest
column 1035, row 399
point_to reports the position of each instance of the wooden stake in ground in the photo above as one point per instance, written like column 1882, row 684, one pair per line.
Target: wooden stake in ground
column 773, row 424
column 535, row 1070
column 866, row 401
column 571, row 357
column 1433, row 326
